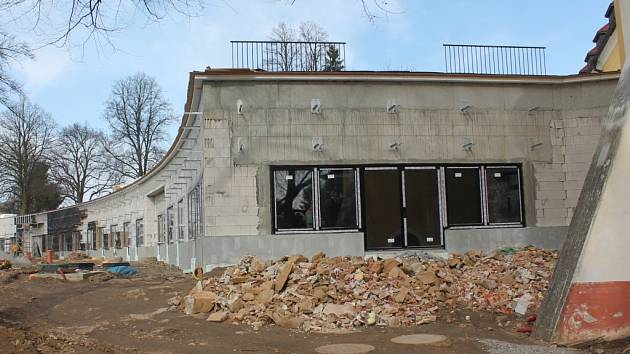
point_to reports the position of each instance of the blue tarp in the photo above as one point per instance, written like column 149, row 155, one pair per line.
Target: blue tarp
column 123, row 270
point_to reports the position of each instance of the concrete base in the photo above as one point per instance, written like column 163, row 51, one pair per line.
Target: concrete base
column 487, row 240
column 211, row 251
column 230, row 249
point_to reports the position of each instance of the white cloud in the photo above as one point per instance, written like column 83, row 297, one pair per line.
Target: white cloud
column 49, row 65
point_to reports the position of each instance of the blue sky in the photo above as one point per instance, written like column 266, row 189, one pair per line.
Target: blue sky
column 73, row 84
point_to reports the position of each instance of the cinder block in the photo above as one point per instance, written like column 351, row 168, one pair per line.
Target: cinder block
column 550, row 186
column 551, row 194
column 557, row 213
column 544, row 221
column 550, row 203
column 549, row 176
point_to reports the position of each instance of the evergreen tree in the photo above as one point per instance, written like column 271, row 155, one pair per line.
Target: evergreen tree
column 333, row 61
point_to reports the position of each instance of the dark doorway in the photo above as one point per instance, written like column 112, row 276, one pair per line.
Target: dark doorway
column 422, row 206
column 383, row 219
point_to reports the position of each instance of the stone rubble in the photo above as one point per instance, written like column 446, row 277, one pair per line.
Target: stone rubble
column 328, row 294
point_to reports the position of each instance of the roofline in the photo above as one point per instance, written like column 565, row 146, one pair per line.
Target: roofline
column 395, row 76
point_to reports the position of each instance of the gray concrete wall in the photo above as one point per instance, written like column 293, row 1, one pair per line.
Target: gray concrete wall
column 549, row 125
column 228, row 250
column 551, row 129
column 488, row 240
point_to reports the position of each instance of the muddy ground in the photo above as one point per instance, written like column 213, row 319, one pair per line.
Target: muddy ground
column 129, row 316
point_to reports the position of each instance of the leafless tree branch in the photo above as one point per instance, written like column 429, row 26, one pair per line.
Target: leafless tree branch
column 138, row 115
column 26, row 137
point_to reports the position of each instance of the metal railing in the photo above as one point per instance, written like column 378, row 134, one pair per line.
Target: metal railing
column 289, row 56
column 495, row 60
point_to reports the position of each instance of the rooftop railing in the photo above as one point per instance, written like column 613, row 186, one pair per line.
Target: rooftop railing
column 289, row 56
column 495, row 60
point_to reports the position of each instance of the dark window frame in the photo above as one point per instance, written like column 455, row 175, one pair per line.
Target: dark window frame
column 520, row 195
column 480, row 190
column 139, row 237
column 315, row 199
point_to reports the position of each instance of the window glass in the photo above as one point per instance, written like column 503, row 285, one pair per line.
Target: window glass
column 91, row 235
column 463, row 197
column 105, row 238
column 294, row 199
column 195, row 212
column 126, row 234
column 160, row 228
column 170, row 224
column 337, row 199
column 180, row 220
column 504, row 195
column 115, row 236
column 139, row 232
column 67, row 242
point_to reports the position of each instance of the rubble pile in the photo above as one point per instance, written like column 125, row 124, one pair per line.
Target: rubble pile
column 324, row 293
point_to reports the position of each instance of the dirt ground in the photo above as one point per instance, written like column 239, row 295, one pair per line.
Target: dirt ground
column 130, row 315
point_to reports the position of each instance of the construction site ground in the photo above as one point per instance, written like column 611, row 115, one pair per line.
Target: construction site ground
column 130, row 315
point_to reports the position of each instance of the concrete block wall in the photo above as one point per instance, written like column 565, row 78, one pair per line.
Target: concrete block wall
column 551, row 129
column 230, row 191
column 574, row 135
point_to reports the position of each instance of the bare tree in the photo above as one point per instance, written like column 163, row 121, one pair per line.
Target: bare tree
column 26, row 137
column 90, row 19
column 313, row 35
column 80, row 165
column 300, row 49
column 283, row 54
column 10, row 51
column 371, row 8
column 138, row 115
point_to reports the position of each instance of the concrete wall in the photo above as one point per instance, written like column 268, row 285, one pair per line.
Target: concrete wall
column 551, row 129
column 548, row 125
column 488, row 240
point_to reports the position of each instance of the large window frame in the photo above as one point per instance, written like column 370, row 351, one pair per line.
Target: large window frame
column 486, row 219
column 139, row 232
column 160, row 229
column 180, row 220
column 195, row 211
column 316, row 200
column 170, row 224
column 126, row 235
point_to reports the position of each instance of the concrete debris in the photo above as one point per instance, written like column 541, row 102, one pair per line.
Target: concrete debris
column 341, row 293
column 219, row 316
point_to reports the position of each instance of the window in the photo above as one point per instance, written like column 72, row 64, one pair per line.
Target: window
column 104, row 238
column 195, row 212
column 328, row 201
column 91, row 235
column 483, row 196
column 160, row 228
column 170, row 224
column 115, row 236
column 338, row 199
column 294, row 199
column 180, row 219
column 463, row 196
column 126, row 235
column 67, row 242
column 503, row 186
column 139, row 232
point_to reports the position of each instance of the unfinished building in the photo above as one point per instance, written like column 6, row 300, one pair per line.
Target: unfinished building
column 274, row 163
